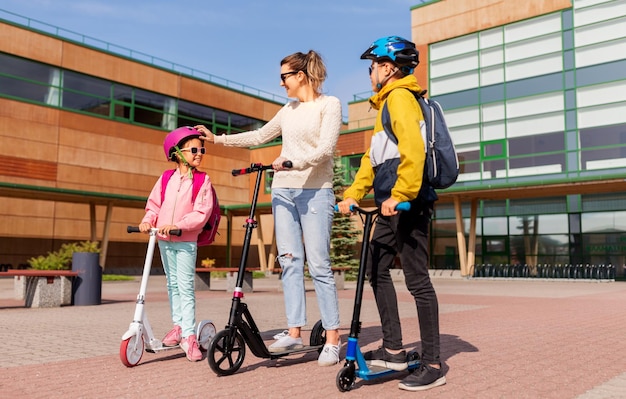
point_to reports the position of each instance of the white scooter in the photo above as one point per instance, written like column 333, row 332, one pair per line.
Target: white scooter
column 139, row 334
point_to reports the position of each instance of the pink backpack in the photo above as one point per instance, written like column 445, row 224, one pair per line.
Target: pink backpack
column 207, row 236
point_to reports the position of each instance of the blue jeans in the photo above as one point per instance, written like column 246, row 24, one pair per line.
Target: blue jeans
column 305, row 214
column 179, row 263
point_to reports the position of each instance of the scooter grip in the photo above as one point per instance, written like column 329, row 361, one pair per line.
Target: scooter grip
column 288, row 164
column 135, row 229
column 403, row 206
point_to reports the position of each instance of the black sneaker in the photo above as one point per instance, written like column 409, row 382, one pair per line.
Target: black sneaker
column 423, row 378
column 380, row 357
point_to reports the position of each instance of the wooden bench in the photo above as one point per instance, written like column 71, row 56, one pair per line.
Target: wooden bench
column 203, row 278
column 42, row 288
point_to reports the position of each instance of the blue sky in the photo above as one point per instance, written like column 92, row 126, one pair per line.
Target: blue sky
column 242, row 41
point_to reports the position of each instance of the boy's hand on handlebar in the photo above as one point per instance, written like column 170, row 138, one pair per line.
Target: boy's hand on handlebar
column 344, row 206
column 207, row 135
column 145, row 227
column 165, row 230
column 388, row 208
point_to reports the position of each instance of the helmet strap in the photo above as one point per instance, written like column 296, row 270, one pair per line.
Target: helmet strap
column 182, row 160
column 380, row 83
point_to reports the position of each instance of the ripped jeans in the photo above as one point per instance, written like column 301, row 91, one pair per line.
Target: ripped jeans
column 303, row 220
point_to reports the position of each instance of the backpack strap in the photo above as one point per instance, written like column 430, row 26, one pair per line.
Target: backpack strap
column 198, row 181
column 165, row 178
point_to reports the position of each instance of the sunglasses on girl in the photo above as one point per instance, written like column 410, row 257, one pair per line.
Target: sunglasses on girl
column 195, row 150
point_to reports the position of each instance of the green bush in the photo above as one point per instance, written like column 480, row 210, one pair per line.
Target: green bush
column 62, row 259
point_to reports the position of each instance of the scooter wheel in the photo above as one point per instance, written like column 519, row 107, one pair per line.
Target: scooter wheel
column 226, row 352
column 131, row 350
column 318, row 335
column 345, row 378
column 206, row 331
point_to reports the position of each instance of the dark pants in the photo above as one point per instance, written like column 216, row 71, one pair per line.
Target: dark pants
column 405, row 234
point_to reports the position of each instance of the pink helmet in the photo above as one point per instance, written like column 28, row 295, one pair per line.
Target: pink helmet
column 176, row 138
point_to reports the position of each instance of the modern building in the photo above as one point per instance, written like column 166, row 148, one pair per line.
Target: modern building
column 533, row 93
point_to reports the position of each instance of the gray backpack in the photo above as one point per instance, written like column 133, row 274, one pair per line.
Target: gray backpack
column 442, row 162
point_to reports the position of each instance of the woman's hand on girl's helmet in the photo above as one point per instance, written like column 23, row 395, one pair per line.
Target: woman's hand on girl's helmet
column 207, row 135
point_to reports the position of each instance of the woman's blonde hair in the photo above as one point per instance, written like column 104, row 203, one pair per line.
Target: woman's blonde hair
column 311, row 64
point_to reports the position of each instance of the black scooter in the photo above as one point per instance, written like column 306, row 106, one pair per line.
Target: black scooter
column 227, row 349
column 356, row 365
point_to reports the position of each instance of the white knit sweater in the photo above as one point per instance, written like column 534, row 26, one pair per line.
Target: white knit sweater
column 310, row 131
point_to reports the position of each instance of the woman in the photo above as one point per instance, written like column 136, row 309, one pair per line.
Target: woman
column 302, row 195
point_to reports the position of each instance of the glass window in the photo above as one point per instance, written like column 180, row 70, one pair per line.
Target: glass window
column 495, row 226
column 149, row 108
column 493, row 149
column 492, row 169
column 535, row 85
column 603, row 158
column 123, row 101
column 538, row 224
column 18, row 67
column 25, row 79
column 350, row 165
column 603, row 136
column 444, row 228
column 536, row 144
column 554, row 163
column 86, row 93
column 603, row 222
column 191, row 114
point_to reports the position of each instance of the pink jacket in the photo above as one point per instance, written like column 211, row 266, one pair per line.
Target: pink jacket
column 177, row 208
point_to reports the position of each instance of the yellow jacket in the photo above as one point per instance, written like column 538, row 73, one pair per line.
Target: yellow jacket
column 394, row 171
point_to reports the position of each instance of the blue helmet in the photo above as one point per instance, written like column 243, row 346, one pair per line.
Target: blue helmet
column 395, row 49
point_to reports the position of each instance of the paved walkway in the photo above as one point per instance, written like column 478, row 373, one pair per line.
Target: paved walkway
column 499, row 339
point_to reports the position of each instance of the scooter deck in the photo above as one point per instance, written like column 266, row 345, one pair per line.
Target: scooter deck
column 162, row 349
column 304, row 349
column 373, row 372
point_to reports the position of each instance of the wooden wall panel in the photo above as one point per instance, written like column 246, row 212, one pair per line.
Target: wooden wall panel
column 447, row 19
column 119, row 69
column 30, row 45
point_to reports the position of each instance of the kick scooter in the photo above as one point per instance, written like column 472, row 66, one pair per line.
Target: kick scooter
column 139, row 334
column 356, row 365
column 227, row 349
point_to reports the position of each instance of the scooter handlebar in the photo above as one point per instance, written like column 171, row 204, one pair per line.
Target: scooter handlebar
column 402, row 206
column 255, row 167
column 135, row 229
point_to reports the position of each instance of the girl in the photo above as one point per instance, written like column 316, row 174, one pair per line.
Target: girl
column 175, row 210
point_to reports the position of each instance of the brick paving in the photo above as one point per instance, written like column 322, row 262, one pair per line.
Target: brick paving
column 499, row 339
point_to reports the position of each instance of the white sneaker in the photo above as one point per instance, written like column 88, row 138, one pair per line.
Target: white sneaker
column 329, row 355
column 286, row 343
column 284, row 333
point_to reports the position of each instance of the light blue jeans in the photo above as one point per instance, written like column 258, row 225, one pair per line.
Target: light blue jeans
column 179, row 263
column 305, row 214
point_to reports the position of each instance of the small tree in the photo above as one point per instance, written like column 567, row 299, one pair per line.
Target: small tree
column 344, row 235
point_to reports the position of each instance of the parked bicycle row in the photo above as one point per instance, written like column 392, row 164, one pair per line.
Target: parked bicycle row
column 567, row 271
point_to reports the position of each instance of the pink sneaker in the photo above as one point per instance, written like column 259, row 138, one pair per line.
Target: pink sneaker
column 191, row 348
column 173, row 337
